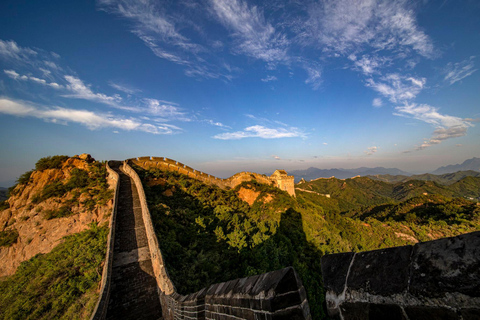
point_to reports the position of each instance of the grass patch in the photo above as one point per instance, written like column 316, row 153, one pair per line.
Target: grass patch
column 63, row 211
column 8, row 237
column 53, row 162
column 61, row 284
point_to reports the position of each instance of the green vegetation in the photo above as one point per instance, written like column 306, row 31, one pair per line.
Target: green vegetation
column 4, row 205
column 91, row 183
column 63, row 211
column 53, row 162
column 59, row 285
column 8, row 237
column 209, row 235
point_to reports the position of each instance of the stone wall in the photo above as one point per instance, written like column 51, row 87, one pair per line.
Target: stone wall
column 100, row 310
column 284, row 183
column 275, row 295
column 431, row 280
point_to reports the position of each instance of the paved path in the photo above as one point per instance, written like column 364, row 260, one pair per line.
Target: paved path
column 133, row 292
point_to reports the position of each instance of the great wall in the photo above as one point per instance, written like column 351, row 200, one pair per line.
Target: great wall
column 279, row 178
column 431, row 280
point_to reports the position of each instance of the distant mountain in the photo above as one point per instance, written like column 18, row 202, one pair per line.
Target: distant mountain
column 444, row 179
column 315, row 173
column 470, row 164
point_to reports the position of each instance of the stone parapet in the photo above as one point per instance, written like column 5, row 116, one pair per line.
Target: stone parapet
column 431, row 280
column 285, row 182
column 275, row 295
column 100, row 310
column 163, row 280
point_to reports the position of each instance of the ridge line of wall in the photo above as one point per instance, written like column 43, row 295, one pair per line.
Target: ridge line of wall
column 283, row 183
column 100, row 310
column 265, row 296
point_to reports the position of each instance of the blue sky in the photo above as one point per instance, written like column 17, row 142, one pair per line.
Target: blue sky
column 226, row 86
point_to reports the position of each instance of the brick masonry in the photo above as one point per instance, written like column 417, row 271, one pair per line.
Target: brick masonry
column 431, row 280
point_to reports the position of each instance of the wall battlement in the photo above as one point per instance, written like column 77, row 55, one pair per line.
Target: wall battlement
column 279, row 178
column 437, row 279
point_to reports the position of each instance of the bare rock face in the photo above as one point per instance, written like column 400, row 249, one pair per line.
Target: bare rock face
column 36, row 233
column 248, row 195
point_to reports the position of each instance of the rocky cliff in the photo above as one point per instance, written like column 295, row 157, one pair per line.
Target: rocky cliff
column 50, row 203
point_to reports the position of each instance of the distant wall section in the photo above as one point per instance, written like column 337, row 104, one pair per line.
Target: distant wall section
column 276, row 295
column 431, row 280
column 279, row 179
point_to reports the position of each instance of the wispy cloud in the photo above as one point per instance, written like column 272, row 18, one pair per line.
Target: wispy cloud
column 269, row 78
column 124, row 88
column 254, row 36
column 447, row 127
column 16, row 76
column 350, row 26
column 9, row 50
column 455, row 72
column 216, row 124
column 371, row 150
column 89, row 119
column 150, row 22
column 261, row 132
column 377, row 102
column 314, row 76
column 368, row 64
column 396, row 87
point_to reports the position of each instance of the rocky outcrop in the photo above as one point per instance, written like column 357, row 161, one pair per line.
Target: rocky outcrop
column 36, row 233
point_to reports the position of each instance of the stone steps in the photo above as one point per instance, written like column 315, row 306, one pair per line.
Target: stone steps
column 133, row 292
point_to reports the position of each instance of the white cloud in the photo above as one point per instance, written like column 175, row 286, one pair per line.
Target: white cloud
column 12, row 74
column 154, row 27
column 447, row 127
column 160, row 108
column 79, row 90
column 369, row 64
column 16, row 76
column 124, row 88
column 255, row 37
column 396, row 87
column 276, row 157
column 269, row 78
column 89, row 119
column 371, row 150
column 261, row 132
column 314, row 77
column 350, row 25
column 10, row 50
column 216, row 123
column 377, row 102
column 455, row 72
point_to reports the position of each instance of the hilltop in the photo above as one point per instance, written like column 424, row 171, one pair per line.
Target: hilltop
column 212, row 230
column 53, row 239
column 470, row 164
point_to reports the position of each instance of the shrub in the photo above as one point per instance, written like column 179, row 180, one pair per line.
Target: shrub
column 8, row 237
column 4, row 205
column 63, row 211
column 58, row 285
column 54, row 162
column 79, row 179
column 25, row 178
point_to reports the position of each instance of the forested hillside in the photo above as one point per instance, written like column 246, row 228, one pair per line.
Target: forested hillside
column 210, row 235
column 53, row 233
